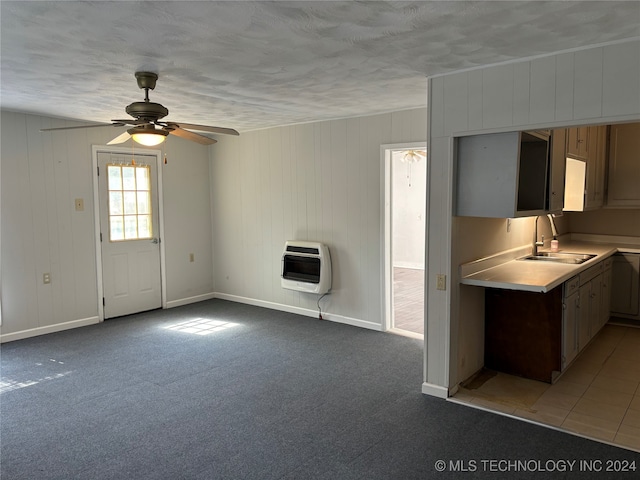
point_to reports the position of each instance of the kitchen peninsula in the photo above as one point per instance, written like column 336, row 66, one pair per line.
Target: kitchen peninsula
column 539, row 315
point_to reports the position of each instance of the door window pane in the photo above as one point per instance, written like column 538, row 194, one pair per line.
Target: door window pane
column 116, row 228
column 131, row 227
column 144, row 225
column 115, row 177
column 144, row 203
column 115, row 203
column 128, row 178
column 142, row 179
column 130, row 207
column 129, row 202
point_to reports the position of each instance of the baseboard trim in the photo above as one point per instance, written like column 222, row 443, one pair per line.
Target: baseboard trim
column 435, row 390
column 188, row 300
column 58, row 327
column 301, row 311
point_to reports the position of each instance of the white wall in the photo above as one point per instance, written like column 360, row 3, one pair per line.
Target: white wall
column 591, row 86
column 316, row 181
column 42, row 174
column 409, row 184
column 607, row 221
column 188, row 223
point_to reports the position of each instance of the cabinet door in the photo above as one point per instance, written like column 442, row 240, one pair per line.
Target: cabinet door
column 558, row 162
column 570, row 329
column 578, row 142
column 595, row 302
column 502, row 175
column 584, row 319
column 624, row 165
column 625, row 272
column 594, row 188
column 605, row 302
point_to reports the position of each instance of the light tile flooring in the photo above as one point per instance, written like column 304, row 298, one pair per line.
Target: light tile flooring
column 597, row 397
column 408, row 299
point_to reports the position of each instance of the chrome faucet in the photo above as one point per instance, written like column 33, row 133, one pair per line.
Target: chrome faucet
column 536, row 243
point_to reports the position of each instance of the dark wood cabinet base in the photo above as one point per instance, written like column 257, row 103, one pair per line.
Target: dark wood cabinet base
column 523, row 333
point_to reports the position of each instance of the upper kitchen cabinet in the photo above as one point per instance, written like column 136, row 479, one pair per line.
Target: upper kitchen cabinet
column 578, row 144
column 502, row 175
column 596, row 167
column 586, row 154
column 624, row 166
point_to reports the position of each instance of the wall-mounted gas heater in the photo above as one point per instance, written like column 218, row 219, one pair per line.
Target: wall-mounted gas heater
column 306, row 267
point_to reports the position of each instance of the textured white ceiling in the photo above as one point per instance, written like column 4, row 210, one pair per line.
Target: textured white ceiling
column 250, row 65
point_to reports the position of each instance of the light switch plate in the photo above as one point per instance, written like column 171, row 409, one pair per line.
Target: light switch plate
column 79, row 204
column 441, row 281
column 46, row 278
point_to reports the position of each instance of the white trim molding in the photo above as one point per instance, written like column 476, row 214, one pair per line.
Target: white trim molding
column 435, row 390
column 301, row 311
column 188, row 300
column 58, row 327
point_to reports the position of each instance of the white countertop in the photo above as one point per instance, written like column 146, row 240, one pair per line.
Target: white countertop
column 507, row 272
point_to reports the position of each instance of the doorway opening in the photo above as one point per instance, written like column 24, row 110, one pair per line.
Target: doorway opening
column 405, row 190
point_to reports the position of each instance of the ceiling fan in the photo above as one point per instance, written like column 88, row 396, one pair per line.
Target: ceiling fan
column 147, row 128
column 413, row 156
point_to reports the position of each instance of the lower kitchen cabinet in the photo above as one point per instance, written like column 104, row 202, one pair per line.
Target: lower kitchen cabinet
column 590, row 301
column 625, row 292
column 523, row 333
column 538, row 335
column 570, row 316
column 605, row 304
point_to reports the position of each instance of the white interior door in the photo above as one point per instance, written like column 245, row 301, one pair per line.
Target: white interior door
column 129, row 226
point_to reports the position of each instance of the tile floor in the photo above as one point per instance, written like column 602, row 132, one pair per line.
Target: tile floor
column 408, row 299
column 597, row 397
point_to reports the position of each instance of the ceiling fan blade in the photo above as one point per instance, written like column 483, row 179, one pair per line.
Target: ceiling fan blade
column 118, row 124
column 130, row 122
column 203, row 128
column 123, row 137
column 194, row 137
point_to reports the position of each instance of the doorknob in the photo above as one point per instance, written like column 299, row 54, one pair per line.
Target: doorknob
column 155, row 240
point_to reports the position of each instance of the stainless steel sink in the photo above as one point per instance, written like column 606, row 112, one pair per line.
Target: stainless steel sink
column 571, row 258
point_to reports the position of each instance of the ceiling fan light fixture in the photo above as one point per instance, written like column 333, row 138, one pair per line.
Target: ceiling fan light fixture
column 412, row 156
column 148, row 137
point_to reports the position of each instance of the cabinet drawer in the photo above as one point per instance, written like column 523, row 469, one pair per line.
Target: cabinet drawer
column 607, row 263
column 571, row 286
column 592, row 272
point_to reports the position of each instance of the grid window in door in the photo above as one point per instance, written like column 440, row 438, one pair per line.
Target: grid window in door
column 129, row 189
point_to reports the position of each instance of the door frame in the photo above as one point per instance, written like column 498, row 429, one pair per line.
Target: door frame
column 95, row 149
column 386, row 244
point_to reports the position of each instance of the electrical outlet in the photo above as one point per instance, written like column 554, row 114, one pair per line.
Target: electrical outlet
column 441, row 281
column 46, row 278
column 79, row 204
column 191, row 257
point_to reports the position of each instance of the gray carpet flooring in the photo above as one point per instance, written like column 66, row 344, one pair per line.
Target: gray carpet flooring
column 262, row 395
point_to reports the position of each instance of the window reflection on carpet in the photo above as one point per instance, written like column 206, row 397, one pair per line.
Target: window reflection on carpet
column 201, row 326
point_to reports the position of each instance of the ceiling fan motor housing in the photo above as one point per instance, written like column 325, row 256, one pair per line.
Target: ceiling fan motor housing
column 147, row 110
